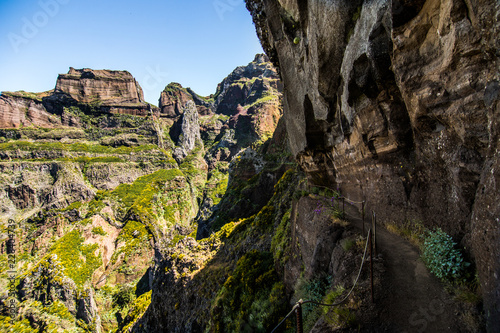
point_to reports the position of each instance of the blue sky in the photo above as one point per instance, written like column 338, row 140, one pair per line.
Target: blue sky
column 194, row 42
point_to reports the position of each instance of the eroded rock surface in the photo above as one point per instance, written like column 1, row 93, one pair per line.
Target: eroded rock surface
column 105, row 86
column 97, row 91
column 189, row 132
column 174, row 97
column 396, row 102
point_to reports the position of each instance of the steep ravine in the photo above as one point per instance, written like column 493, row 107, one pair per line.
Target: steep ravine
column 397, row 103
column 216, row 214
column 99, row 183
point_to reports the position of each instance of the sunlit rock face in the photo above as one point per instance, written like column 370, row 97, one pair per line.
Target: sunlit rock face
column 245, row 108
column 396, row 102
column 174, row 97
column 17, row 110
column 189, row 132
column 107, row 86
column 97, row 91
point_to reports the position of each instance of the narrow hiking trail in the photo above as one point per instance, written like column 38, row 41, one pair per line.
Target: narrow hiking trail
column 412, row 300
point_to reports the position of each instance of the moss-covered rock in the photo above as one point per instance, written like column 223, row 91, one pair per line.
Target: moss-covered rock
column 194, row 273
column 136, row 311
column 252, row 298
column 100, row 196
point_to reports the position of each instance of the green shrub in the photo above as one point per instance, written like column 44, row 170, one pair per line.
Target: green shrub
column 78, row 259
column 311, row 290
column 99, row 231
column 281, row 242
column 59, row 309
column 441, row 256
column 134, row 237
column 123, row 296
column 21, row 326
column 347, row 244
column 136, row 311
column 252, row 298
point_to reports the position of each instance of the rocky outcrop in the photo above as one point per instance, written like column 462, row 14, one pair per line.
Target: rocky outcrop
column 246, row 85
column 245, row 108
column 100, row 86
column 47, row 284
column 34, row 185
column 93, row 91
column 174, row 97
column 21, row 109
column 188, row 132
column 397, row 103
column 249, row 102
column 87, row 310
column 105, row 91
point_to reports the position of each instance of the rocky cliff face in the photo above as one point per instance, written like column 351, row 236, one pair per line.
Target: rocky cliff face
column 24, row 109
column 100, row 86
column 189, row 132
column 97, row 91
column 397, row 103
column 99, row 183
column 245, row 108
column 174, row 97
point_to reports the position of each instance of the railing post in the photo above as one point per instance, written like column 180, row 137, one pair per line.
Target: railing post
column 375, row 232
column 363, row 215
column 343, row 207
column 299, row 317
column 370, row 233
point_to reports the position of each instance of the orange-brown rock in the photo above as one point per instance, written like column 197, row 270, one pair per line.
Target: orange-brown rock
column 101, row 91
column 105, row 87
column 174, row 97
column 24, row 109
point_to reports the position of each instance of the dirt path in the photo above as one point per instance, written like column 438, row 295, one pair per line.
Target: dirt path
column 412, row 300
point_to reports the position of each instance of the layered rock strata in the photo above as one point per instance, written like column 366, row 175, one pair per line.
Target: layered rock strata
column 397, row 103
column 98, row 91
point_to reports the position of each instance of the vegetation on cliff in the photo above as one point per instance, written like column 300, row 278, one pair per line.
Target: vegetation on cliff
column 96, row 193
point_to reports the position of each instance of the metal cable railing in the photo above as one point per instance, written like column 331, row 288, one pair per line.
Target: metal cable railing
column 298, row 306
column 353, row 202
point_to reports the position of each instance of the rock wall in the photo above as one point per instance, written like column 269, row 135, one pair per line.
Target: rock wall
column 106, row 86
column 16, row 111
column 396, row 102
column 189, row 132
column 174, row 97
column 96, row 91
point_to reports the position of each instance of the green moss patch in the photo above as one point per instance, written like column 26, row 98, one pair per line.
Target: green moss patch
column 99, row 231
column 156, row 196
column 29, row 95
column 57, row 308
column 262, row 100
column 281, row 243
column 78, row 260
column 216, row 185
column 252, row 298
column 17, row 326
column 134, row 238
column 136, row 311
column 173, row 87
column 74, row 147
